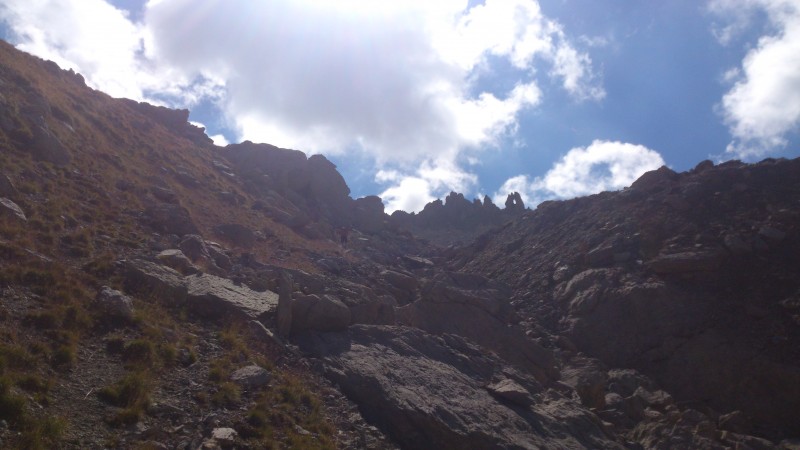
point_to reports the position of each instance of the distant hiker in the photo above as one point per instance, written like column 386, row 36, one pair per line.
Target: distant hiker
column 344, row 232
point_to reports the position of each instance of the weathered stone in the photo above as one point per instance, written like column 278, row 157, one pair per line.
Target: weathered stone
column 400, row 280
column 429, row 392
column 250, row 377
column 218, row 256
column 212, row 296
column 225, row 437
column 206, row 295
column 154, row 279
column 588, row 377
column 177, row 260
column 114, row 304
column 11, row 209
column 473, row 307
column 735, row 421
column 510, row 390
column 685, row 262
column 194, row 247
column 322, row 313
column 736, row 245
column 657, row 398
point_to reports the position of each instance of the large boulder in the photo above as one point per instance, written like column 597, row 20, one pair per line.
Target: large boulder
column 177, row 260
column 251, row 376
column 148, row 278
column 212, row 296
column 114, row 304
column 206, row 295
column 319, row 312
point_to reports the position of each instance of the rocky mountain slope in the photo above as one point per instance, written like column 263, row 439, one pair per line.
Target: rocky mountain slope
column 157, row 291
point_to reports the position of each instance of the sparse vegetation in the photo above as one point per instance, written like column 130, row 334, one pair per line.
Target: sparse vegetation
column 82, row 218
column 284, row 410
column 131, row 393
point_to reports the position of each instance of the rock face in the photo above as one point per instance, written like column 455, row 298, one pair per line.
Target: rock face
column 311, row 184
column 474, row 307
column 672, row 277
column 432, row 392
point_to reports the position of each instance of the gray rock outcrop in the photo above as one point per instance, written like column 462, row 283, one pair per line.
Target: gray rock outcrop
column 430, row 392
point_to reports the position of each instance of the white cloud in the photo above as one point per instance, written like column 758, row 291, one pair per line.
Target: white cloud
column 397, row 81
column 763, row 105
column 602, row 166
column 433, row 179
column 409, row 194
column 103, row 47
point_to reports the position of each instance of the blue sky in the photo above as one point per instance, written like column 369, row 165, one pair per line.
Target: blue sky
column 413, row 99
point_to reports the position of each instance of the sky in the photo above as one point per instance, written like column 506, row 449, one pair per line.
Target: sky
column 415, row 99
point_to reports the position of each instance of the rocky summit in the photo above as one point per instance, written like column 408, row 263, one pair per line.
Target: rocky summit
column 160, row 292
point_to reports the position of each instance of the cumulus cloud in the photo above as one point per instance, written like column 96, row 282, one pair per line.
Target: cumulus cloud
column 397, row 81
column 602, row 166
column 763, row 105
column 411, row 192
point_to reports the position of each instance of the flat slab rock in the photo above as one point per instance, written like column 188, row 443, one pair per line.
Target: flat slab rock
column 209, row 294
column 430, row 392
column 205, row 294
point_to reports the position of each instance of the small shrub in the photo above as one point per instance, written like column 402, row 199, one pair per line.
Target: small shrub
column 139, row 351
column 115, row 345
column 42, row 433
column 15, row 357
column 12, row 406
column 132, row 390
column 219, row 369
column 168, row 354
column 101, row 267
column 34, row 383
column 228, row 394
column 37, row 278
column 42, row 320
column 63, row 357
column 76, row 318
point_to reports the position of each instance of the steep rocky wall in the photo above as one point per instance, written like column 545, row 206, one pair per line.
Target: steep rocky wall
column 691, row 278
